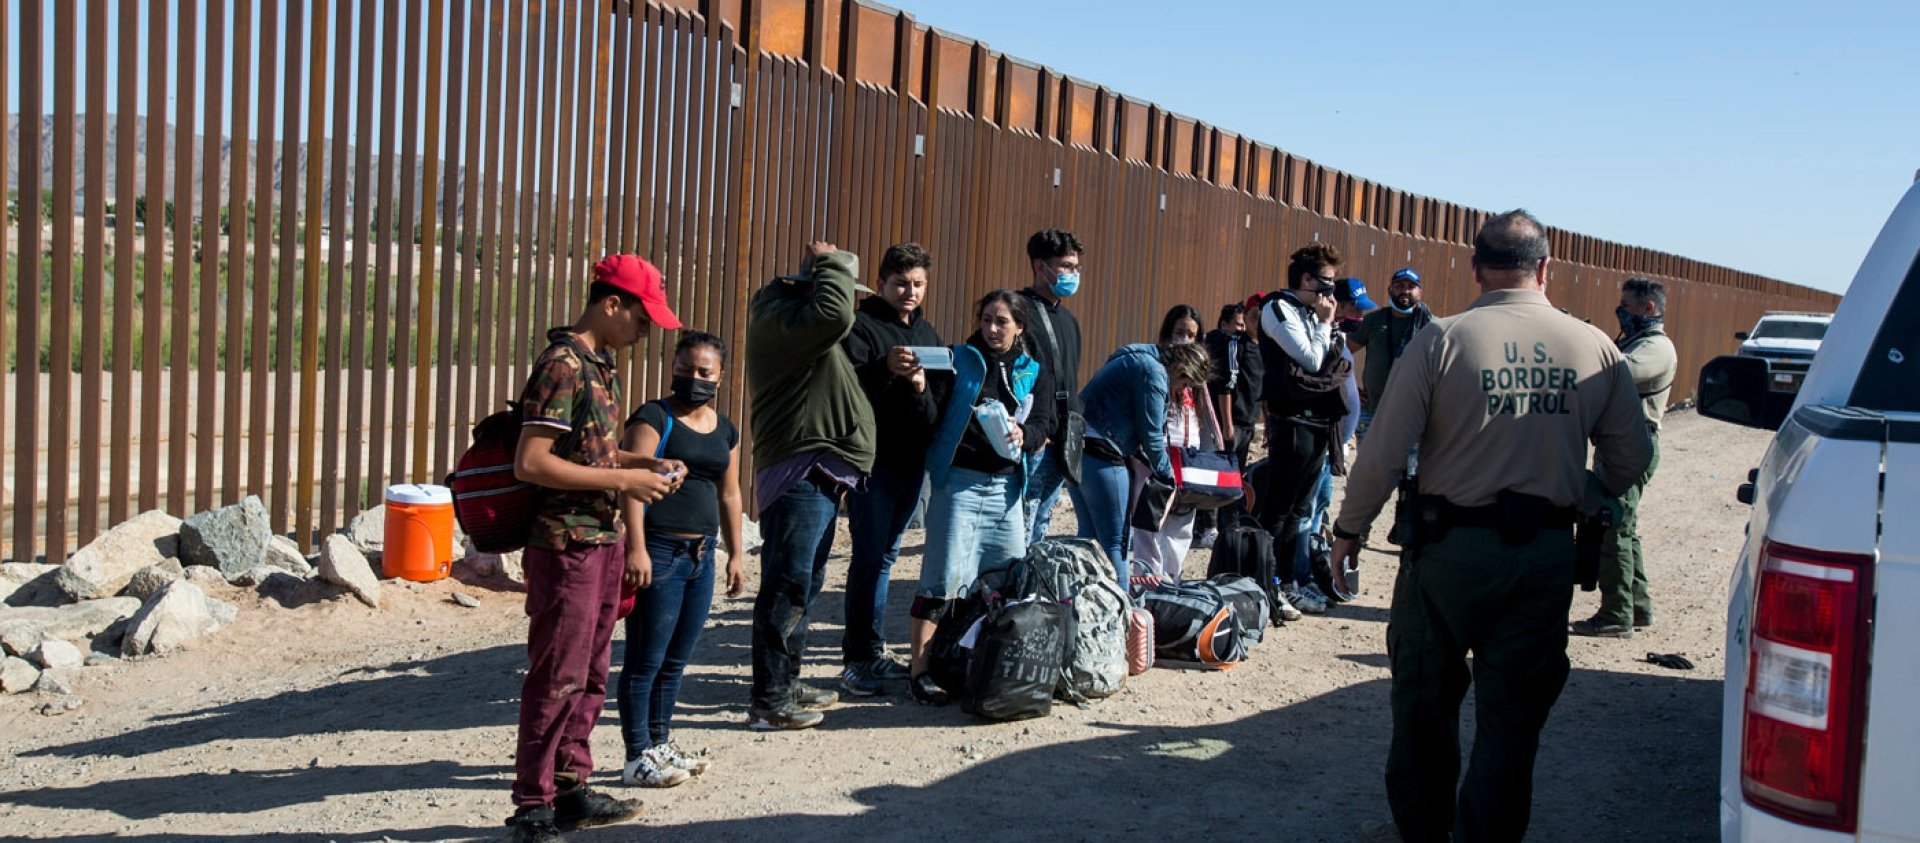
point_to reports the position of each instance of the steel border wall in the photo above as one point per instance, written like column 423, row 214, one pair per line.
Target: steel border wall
column 713, row 137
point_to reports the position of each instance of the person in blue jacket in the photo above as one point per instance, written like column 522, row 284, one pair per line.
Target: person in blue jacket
column 1126, row 410
column 989, row 422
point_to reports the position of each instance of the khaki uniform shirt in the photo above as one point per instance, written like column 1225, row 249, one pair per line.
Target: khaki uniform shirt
column 1505, row 395
column 1653, row 360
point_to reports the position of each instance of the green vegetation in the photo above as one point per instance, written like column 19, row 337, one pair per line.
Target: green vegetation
column 134, row 344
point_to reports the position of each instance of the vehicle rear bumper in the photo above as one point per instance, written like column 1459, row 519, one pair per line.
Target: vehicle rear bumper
column 1743, row 823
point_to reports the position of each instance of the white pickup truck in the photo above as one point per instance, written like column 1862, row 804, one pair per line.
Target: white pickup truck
column 1788, row 341
column 1821, row 735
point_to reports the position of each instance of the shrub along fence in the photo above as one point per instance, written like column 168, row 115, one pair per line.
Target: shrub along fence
column 310, row 352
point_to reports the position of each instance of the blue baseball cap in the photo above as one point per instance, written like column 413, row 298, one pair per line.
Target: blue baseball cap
column 1353, row 290
column 1407, row 275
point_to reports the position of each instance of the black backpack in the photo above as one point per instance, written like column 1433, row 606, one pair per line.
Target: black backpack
column 1019, row 657
column 1247, row 550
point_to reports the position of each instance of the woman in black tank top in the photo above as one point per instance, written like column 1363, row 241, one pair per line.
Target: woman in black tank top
column 670, row 555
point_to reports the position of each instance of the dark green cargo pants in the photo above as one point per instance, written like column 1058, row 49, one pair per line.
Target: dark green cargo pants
column 1507, row 605
column 1623, row 569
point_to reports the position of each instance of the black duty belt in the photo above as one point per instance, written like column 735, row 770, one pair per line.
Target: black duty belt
column 1495, row 516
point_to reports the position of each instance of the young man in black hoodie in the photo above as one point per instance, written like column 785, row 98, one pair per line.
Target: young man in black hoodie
column 1053, row 337
column 885, row 326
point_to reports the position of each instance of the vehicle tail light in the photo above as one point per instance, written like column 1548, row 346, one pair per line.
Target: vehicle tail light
column 1802, row 739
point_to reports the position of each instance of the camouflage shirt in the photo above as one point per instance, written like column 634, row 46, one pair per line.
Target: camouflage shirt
column 590, row 426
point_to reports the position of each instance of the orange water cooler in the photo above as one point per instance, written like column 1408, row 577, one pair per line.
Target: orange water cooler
column 419, row 539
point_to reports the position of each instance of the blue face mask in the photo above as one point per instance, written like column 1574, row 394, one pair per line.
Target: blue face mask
column 1403, row 311
column 1066, row 284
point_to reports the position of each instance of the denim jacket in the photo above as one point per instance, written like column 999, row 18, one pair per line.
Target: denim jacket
column 969, row 375
column 1126, row 402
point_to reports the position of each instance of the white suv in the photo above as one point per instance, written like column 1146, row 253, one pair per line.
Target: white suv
column 1821, row 735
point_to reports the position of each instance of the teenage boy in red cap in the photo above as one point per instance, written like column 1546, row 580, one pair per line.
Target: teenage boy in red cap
column 570, row 448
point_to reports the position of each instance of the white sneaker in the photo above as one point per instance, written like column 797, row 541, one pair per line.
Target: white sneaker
column 652, row 770
column 1304, row 600
column 674, row 756
column 1286, row 609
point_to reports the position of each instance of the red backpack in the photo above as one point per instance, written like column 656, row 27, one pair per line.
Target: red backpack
column 493, row 506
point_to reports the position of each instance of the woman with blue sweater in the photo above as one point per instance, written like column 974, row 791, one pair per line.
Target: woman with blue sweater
column 1126, row 410
column 989, row 422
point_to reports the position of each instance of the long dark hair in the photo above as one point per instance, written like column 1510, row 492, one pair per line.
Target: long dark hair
column 1179, row 312
column 1016, row 306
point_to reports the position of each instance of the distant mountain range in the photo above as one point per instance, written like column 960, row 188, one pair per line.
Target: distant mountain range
column 453, row 175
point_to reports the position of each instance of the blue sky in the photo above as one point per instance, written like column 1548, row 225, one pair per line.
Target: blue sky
column 1764, row 135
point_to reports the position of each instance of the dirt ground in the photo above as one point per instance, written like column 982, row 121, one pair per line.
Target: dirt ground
column 315, row 718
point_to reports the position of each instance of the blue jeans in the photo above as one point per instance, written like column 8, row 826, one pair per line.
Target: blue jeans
column 667, row 619
column 1043, row 491
column 974, row 525
column 1307, row 529
column 877, row 518
column 798, row 533
column 1101, row 502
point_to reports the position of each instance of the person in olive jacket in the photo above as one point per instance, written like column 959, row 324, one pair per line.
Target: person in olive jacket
column 886, row 325
column 812, row 443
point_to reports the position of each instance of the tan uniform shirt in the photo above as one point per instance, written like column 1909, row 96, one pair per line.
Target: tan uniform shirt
column 1503, row 396
column 1653, row 360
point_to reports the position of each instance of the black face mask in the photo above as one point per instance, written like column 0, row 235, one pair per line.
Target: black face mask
column 693, row 391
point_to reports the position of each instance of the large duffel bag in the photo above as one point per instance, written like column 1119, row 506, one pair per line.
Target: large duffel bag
column 1195, row 625
column 1248, row 602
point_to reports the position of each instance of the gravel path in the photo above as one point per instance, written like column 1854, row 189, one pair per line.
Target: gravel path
column 324, row 720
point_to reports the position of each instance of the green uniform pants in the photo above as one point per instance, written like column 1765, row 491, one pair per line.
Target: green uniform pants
column 1623, row 568
column 1470, row 592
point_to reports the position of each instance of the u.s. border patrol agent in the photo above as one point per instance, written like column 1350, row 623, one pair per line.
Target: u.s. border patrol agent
column 1502, row 400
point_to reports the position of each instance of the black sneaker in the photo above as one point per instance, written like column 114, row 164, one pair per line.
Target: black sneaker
column 533, row 825
column 887, row 667
column 786, row 717
column 584, row 807
column 857, row 680
column 1599, row 627
column 1642, row 620
column 928, row 692
column 815, row 698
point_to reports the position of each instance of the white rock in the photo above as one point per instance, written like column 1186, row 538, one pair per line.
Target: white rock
column 342, row 564
column 204, row 577
column 54, row 683
column 368, row 530
column 17, row 675
column 496, row 565
column 103, row 567
column 148, row 581
column 284, row 554
column 29, row 584
column 180, row 613
column 54, row 653
column 750, row 536
column 23, row 627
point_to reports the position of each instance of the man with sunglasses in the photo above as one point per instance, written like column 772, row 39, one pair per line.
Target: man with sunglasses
column 1304, row 405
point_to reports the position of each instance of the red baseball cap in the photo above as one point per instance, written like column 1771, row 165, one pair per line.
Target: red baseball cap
column 633, row 275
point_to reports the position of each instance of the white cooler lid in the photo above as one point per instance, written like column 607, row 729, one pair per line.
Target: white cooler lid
column 420, row 493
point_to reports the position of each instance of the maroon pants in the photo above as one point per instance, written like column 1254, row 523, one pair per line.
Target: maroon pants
column 571, row 597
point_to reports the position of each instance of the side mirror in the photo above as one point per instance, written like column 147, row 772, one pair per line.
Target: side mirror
column 1740, row 335
column 1740, row 390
